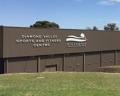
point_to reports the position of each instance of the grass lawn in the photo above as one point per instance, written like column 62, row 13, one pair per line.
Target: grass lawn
column 60, row 84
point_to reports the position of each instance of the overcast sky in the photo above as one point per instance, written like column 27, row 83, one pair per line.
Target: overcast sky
column 73, row 14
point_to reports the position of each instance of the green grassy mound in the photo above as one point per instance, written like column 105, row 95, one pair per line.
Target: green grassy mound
column 60, row 84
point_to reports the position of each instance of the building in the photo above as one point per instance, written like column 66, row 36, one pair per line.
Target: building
column 38, row 50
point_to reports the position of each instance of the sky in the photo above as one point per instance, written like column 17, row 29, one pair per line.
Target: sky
column 69, row 14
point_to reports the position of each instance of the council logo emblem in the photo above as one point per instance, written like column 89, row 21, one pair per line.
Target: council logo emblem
column 76, row 41
column 72, row 38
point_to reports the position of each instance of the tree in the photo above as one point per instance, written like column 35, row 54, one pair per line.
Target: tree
column 45, row 24
column 111, row 27
column 95, row 28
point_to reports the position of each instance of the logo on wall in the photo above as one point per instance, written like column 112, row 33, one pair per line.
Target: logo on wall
column 76, row 41
column 72, row 38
